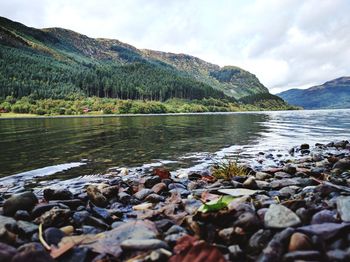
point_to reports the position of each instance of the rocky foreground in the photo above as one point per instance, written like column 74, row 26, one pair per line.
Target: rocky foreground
column 299, row 211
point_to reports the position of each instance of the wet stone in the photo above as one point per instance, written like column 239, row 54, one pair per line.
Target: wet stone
column 151, row 181
column 343, row 207
column 311, row 255
column 6, row 252
column 96, row 197
column 42, row 208
column 32, row 252
column 142, row 193
column 278, row 216
column 124, row 197
column 160, row 187
column 338, row 255
column 55, row 217
column 299, row 241
column 259, row 240
column 24, row 201
column 57, row 194
column 143, row 244
column 22, row 215
column 282, row 175
column 154, row 198
column 53, row 235
column 235, row 252
column 324, row 216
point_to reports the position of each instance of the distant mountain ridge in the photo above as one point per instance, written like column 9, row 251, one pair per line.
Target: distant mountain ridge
column 331, row 94
column 60, row 63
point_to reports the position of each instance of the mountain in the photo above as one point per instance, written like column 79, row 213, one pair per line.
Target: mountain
column 60, row 63
column 332, row 94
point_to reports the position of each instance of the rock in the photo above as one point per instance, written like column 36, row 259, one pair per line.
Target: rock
column 6, row 252
column 304, row 146
column 278, row 216
column 151, row 181
column 55, row 217
column 299, row 241
column 250, row 183
column 57, row 194
column 282, row 175
column 288, row 191
column 67, row 230
column 325, row 230
column 109, row 242
column 124, row 197
column 143, row 193
column 162, row 173
column 341, row 144
column 173, row 238
column 236, row 252
column 259, row 240
column 101, row 213
column 32, row 252
column 42, row 208
column 26, row 228
column 71, row 203
column 160, row 187
column 5, row 221
column 342, row 165
column 343, row 207
column 338, row 255
column 154, row 198
column 143, row 244
column 324, row 216
column 22, row 215
column 143, row 206
column 96, row 197
column 175, row 229
column 176, row 186
column 53, row 235
column 262, row 175
column 110, row 191
column 311, row 255
column 160, row 254
column 238, row 192
column 226, row 234
column 23, row 201
column 80, row 217
column 248, row 221
column 76, row 254
column 276, row 247
column 290, row 169
column 192, row 205
column 279, row 183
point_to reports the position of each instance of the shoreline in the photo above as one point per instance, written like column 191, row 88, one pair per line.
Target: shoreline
column 29, row 116
column 296, row 211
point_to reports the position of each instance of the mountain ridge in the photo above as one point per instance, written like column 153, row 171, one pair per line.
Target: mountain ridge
column 331, row 94
column 58, row 62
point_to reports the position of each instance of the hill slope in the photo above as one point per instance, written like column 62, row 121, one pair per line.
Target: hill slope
column 60, row 63
column 332, row 94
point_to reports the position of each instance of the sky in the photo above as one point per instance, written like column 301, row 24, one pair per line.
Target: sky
column 285, row 43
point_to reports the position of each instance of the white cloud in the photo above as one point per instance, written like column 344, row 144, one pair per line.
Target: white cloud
column 287, row 44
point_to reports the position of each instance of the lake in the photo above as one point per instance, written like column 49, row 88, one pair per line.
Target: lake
column 69, row 147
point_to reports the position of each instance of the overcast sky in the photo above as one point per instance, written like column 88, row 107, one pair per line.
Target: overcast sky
column 285, row 43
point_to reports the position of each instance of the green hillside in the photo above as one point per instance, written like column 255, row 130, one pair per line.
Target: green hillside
column 61, row 64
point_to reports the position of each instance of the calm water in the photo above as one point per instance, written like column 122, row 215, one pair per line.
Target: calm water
column 68, row 147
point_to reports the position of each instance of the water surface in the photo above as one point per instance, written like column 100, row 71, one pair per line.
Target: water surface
column 84, row 146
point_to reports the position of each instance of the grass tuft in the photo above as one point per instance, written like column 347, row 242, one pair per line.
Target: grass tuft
column 227, row 170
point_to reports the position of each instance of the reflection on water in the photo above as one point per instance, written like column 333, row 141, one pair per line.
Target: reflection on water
column 183, row 140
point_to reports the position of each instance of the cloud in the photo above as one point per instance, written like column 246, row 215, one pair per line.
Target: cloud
column 287, row 44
